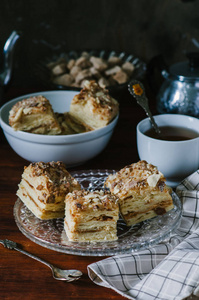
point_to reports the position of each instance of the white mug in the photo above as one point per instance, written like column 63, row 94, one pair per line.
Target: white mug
column 175, row 159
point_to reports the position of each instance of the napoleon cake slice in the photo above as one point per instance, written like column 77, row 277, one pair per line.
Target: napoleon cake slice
column 142, row 192
column 35, row 115
column 93, row 106
column 91, row 216
column 43, row 188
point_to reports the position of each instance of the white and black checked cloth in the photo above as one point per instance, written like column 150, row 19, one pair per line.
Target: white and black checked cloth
column 169, row 270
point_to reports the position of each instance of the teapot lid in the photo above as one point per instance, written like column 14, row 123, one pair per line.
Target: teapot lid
column 187, row 69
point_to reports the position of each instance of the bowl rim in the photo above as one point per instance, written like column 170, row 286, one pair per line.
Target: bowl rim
column 52, row 139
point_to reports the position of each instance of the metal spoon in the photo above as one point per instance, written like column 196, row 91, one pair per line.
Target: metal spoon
column 137, row 90
column 59, row 274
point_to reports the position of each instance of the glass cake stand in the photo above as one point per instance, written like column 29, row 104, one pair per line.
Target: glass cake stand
column 51, row 234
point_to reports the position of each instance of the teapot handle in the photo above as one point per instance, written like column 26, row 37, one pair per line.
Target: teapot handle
column 8, row 51
column 155, row 67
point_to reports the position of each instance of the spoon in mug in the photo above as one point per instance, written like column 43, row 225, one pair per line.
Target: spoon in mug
column 137, row 90
column 59, row 274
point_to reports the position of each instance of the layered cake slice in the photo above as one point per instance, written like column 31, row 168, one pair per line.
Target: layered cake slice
column 35, row 115
column 142, row 192
column 43, row 188
column 91, row 216
column 93, row 106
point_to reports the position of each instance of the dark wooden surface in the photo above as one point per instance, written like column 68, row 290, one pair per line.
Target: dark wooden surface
column 22, row 278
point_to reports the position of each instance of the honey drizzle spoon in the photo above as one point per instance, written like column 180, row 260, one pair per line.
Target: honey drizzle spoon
column 137, row 90
column 59, row 274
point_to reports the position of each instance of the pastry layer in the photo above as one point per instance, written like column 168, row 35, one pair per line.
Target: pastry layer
column 136, row 209
column 44, row 213
column 100, row 235
column 70, row 125
column 43, row 188
column 142, row 192
column 94, row 106
column 91, row 216
column 34, row 115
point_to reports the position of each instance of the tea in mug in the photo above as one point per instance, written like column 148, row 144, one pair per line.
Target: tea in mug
column 170, row 133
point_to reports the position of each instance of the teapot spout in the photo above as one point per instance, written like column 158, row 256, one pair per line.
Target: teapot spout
column 8, row 51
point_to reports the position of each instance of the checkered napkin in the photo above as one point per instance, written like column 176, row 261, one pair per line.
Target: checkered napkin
column 169, row 270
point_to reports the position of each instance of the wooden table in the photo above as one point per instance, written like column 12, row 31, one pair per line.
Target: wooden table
column 22, row 278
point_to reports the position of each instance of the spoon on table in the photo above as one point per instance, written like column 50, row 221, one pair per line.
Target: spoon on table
column 137, row 90
column 59, row 274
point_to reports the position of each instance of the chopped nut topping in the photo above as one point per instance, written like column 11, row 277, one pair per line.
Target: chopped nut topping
column 59, row 179
column 96, row 200
column 138, row 175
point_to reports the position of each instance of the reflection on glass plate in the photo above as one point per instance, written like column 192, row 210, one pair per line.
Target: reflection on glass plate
column 51, row 234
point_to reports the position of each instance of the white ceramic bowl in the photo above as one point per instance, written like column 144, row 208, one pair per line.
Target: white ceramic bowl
column 72, row 149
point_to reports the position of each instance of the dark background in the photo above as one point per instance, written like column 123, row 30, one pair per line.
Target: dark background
column 144, row 28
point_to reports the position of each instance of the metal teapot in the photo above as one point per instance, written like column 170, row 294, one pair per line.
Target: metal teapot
column 7, row 63
column 179, row 91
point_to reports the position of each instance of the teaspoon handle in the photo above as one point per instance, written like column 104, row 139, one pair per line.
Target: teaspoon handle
column 153, row 123
column 33, row 256
column 13, row 246
column 137, row 91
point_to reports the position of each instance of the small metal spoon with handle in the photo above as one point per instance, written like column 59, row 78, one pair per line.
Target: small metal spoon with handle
column 137, row 90
column 59, row 274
